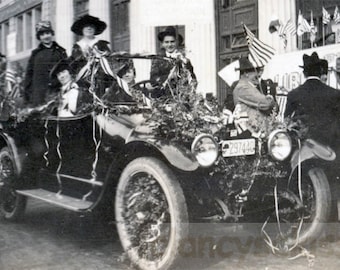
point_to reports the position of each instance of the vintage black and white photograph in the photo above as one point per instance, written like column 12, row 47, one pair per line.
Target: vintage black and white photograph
column 169, row 134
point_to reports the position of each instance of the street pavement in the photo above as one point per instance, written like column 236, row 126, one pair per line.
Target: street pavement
column 51, row 238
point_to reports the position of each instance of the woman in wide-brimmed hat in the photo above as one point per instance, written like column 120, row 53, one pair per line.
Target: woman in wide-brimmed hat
column 69, row 90
column 160, row 69
column 88, row 27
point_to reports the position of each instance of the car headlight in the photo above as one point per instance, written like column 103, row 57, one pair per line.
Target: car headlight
column 279, row 145
column 205, row 149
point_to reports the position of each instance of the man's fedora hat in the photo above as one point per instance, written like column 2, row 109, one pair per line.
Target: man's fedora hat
column 86, row 20
column 311, row 61
column 246, row 65
column 170, row 31
column 324, row 66
column 337, row 65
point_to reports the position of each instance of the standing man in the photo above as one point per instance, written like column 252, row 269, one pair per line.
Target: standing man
column 252, row 106
column 37, row 84
column 315, row 104
column 160, row 73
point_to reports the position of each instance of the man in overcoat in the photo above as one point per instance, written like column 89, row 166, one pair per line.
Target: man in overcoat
column 315, row 104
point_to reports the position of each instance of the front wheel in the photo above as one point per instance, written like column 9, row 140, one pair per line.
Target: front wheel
column 151, row 214
column 301, row 211
column 12, row 205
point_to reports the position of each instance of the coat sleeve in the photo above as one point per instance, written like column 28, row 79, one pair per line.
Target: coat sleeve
column 76, row 53
column 253, row 98
column 28, row 78
column 289, row 106
column 155, row 70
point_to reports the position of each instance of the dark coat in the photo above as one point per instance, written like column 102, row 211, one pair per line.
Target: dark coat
column 317, row 106
column 161, row 68
column 37, row 83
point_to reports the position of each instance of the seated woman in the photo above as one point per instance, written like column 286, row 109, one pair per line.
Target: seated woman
column 69, row 90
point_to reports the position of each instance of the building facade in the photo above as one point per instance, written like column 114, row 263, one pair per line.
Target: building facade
column 212, row 29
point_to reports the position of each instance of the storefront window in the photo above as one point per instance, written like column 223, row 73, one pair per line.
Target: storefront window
column 25, row 27
column 81, row 7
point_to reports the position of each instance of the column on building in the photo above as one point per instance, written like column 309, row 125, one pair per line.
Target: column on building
column 101, row 9
column 283, row 10
column 64, row 20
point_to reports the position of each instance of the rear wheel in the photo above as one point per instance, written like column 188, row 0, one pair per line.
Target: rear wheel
column 301, row 212
column 151, row 214
column 12, row 205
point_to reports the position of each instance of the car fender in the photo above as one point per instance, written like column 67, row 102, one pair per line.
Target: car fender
column 18, row 154
column 311, row 149
column 177, row 155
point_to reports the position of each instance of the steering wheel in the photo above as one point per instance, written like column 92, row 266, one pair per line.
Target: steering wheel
column 147, row 88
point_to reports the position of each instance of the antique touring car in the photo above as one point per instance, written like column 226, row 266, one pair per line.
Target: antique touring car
column 157, row 169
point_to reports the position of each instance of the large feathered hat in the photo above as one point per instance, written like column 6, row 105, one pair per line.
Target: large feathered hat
column 86, row 20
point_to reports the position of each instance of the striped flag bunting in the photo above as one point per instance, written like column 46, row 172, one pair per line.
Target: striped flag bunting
column 326, row 17
column 10, row 76
column 259, row 52
column 287, row 29
column 303, row 25
column 336, row 16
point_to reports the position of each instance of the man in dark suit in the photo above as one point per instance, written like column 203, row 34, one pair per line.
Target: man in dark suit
column 315, row 104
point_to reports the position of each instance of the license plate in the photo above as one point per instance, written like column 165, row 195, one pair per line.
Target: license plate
column 244, row 147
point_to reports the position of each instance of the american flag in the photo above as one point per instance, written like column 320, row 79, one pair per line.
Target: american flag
column 259, row 52
column 326, row 17
column 10, row 76
column 336, row 16
column 303, row 25
column 284, row 30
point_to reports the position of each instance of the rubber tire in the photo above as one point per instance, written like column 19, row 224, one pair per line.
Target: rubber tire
column 20, row 201
column 177, row 209
column 321, row 213
column 322, row 205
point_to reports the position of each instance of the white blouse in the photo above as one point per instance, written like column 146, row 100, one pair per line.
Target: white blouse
column 68, row 101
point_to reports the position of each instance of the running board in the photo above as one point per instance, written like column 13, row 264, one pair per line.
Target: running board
column 60, row 200
column 84, row 180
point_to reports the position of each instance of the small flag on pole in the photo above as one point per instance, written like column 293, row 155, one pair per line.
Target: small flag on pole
column 284, row 30
column 313, row 29
column 326, row 17
column 259, row 52
column 303, row 25
column 336, row 16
